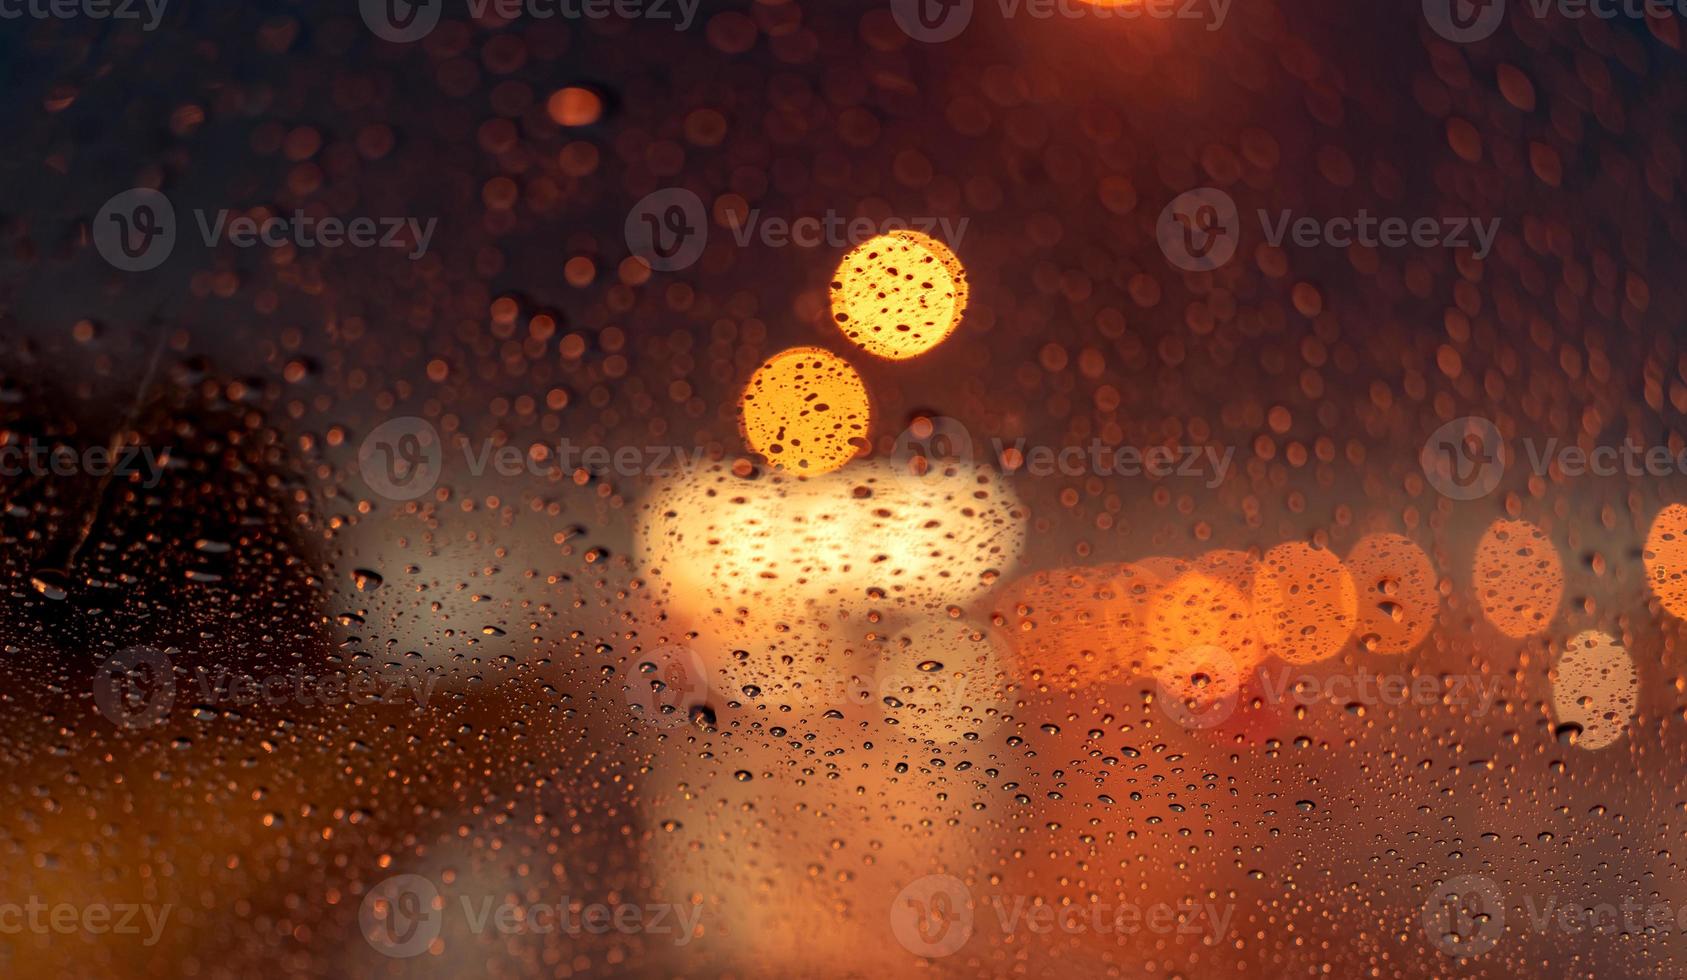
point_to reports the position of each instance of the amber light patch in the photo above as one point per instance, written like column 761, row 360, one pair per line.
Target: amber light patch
column 1519, row 578
column 1666, row 559
column 1200, row 640
column 575, row 106
column 781, row 578
column 1594, row 690
column 1397, row 592
column 941, row 679
column 899, row 295
column 1305, row 603
column 806, row 411
column 1207, row 606
column 1198, row 680
column 1083, row 621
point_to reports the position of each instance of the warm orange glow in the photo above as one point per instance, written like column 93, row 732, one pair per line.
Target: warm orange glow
column 575, row 106
column 790, row 570
column 805, row 410
column 940, row 679
column 1397, row 592
column 1519, row 578
column 1201, row 642
column 1594, row 688
column 1666, row 559
column 899, row 295
column 1205, row 606
column 1196, row 679
column 1305, row 603
column 1085, row 622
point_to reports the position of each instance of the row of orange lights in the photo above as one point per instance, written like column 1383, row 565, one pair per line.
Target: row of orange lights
column 1200, row 626
column 1216, row 617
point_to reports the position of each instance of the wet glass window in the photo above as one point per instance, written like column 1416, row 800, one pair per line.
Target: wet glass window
column 1170, row 489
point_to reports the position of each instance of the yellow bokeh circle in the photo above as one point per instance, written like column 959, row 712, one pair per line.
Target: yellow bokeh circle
column 899, row 295
column 806, row 411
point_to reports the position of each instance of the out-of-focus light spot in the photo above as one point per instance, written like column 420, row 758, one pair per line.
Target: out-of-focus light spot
column 899, row 295
column 1305, row 603
column 806, row 411
column 579, row 271
column 633, row 270
column 574, row 106
column 1200, row 609
column 790, row 570
column 1084, row 623
column 1519, row 578
column 1666, row 559
column 1198, row 678
column 1594, row 690
column 1397, row 594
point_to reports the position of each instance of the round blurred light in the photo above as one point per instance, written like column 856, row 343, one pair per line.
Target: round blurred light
column 1397, row 592
column 1084, row 622
column 1666, row 559
column 1304, row 602
column 1594, row 689
column 1519, row 578
column 899, row 295
column 1197, row 610
column 805, row 410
